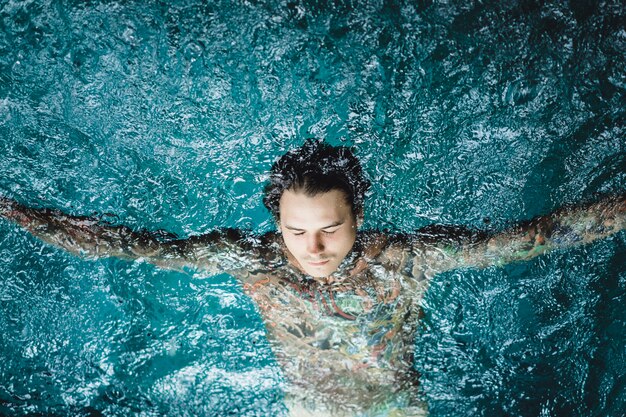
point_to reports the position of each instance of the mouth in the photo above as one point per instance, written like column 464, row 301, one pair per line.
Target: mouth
column 318, row 263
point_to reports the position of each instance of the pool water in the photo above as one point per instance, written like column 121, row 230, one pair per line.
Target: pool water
column 168, row 116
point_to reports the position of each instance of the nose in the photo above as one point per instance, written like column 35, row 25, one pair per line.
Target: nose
column 314, row 244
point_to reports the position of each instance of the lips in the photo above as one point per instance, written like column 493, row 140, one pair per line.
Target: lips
column 318, row 263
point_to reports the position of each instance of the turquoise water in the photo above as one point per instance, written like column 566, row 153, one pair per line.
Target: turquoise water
column 167, row 117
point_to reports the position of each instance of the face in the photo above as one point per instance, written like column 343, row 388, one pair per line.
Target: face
column 318, row 231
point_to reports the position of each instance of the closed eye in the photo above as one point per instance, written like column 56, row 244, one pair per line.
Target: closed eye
column 329, row 230
column 326, row 232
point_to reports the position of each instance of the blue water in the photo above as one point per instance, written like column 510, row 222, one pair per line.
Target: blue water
column 167, row 116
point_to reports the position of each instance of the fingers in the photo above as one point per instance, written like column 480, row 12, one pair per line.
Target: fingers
column 7, row 205
column 12, row 210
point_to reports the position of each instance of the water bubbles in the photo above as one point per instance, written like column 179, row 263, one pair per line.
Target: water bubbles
column 226, row 322
column 521, row 91
column 128, row 35
column 193, row 51
column 172, row 347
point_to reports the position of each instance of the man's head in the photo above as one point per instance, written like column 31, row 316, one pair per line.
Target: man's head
column 316, row 195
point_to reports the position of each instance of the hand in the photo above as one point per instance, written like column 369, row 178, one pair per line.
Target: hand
column 6, row 205
column 12, row 210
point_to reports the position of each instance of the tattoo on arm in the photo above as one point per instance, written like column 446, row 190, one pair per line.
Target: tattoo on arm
column 219, row 251
column 451, row 247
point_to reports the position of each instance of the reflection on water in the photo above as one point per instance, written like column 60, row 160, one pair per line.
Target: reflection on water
column 168, row 117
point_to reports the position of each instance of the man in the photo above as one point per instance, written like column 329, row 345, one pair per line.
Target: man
column 340, row 305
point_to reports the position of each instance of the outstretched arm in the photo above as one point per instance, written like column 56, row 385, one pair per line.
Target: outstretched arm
column 227, row 250
column 567, row 227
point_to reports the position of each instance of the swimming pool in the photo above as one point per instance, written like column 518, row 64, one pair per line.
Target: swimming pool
column 167, row 117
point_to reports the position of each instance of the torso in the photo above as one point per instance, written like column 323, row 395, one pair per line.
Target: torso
column 349, row 339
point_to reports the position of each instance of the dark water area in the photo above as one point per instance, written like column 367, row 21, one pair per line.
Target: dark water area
column 167, row 116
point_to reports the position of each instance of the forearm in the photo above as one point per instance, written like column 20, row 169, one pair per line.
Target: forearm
column 84, row 236
column 216, row 252
column 565, row 228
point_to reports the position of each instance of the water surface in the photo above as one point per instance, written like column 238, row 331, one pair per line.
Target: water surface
column 168, row 116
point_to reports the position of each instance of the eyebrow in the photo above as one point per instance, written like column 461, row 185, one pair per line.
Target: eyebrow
column 338, row 223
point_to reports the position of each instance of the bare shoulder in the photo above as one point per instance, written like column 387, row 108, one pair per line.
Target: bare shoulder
column 389, row 250
column 424, row 252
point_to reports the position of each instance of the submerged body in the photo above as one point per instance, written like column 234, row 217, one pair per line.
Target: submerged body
column 344, row 340
column 340, row 306
column 345, row 343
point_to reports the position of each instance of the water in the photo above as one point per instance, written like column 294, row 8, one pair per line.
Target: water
column 168, row 117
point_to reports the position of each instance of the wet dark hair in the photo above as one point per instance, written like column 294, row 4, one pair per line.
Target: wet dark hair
column 314, row 168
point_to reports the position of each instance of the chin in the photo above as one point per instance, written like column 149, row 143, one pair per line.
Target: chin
column 320, row 273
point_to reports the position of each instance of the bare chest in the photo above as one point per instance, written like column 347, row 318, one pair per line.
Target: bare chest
column 364, row 321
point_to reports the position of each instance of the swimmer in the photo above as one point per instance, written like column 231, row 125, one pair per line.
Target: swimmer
column 341, row 305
